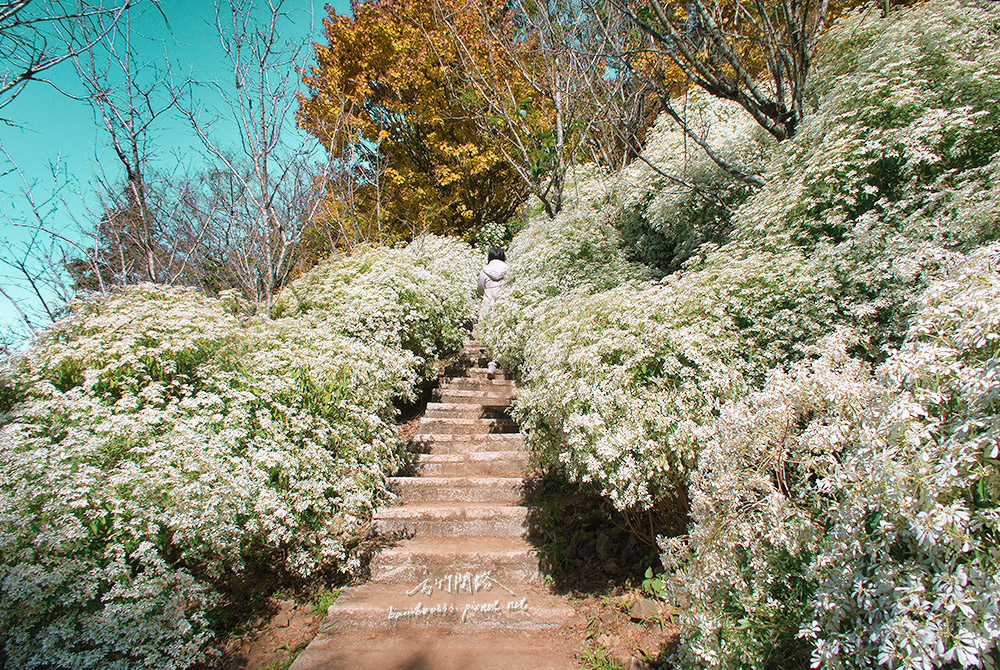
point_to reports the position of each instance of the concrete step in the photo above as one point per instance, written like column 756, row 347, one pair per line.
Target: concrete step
column 462, row 443
column 499, row 490
column 473, row 345
column 465, row 426
column 451, row 519
column 473, row 368
column 473, row 356
column 410, row 648
column 467, row 410
column 481, row 380
column 500, row 397
column 511, row 560
column 467, row 384
column 484, row 463
column 482, row 372
column 477, row 600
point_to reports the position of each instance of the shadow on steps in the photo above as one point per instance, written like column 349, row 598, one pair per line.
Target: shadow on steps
column 418, row 662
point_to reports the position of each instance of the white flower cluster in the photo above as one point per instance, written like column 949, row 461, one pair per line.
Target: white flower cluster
column 856, row 516
column 841, row 516
column 659, row 185
column 154, row 450
column 898, row 166
column 622, row 375
column 492, row 234
column 674, row 198
column 909, row 574
column 756, row 512
column 402, row 299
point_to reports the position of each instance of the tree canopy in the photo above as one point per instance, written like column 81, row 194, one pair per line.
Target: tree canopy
column 389, row 76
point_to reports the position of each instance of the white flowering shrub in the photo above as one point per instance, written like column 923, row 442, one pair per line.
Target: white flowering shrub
column 155, row 452
column 675, row 198
column 909, row 573
column 821, row 388
column 621, row 377
column 758, row 512
column 577, row 252
column 400, row 297
column 854, row 517
column 616, row 383
column 492, row 234
column 898, row 165
column 905, row 131
column 839, row 517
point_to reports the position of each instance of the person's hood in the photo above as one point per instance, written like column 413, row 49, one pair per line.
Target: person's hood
column 496, row 269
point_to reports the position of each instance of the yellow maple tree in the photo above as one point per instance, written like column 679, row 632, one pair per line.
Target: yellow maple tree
column 387, row 82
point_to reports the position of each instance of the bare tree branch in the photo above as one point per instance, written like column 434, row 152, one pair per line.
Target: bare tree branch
column 756, row 53
column 271, row 175
column 37, row 36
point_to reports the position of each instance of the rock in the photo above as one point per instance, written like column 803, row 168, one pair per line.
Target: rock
column 612, row 568
column 284, row 615
column 603, row 550
column 639, row 663
column 644, row 609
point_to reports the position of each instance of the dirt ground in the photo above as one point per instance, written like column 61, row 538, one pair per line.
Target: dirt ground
column 274, row 643
column 627, row 631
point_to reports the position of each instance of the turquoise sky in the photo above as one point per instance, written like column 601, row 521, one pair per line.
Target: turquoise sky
column 54, row 132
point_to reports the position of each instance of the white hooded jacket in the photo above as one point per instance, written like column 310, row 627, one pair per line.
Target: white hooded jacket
column 491, row 281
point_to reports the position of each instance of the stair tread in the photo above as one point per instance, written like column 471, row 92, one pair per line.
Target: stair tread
column 374, row 595
column 483, row 544
column 465, row 420
column 472, row 457
column 448, row 443
column 452, row 480
column 469, row 392
column 478, row 436
column 469, row 600
column 463, row 586
column 401, row 648
column 464, row 406
column 440, row 508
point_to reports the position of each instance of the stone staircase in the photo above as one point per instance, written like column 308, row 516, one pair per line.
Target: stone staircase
column 460, row 588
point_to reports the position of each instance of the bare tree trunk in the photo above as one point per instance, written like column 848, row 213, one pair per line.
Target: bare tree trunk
column 129, row 97
column 720, row 53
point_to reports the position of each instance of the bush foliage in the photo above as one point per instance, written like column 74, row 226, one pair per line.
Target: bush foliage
column 814, row 377
column 157, row 452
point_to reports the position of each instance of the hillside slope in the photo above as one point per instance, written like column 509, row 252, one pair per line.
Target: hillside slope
column 164, row 461
column 811, row 380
